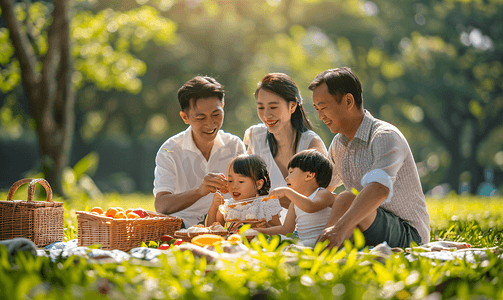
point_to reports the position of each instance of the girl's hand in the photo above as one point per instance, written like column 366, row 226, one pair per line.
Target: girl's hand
column 279, row 192
column 234, row 226
column 218, row 199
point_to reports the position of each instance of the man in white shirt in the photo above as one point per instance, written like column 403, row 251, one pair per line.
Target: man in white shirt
column 190, row 165
column 374, row 158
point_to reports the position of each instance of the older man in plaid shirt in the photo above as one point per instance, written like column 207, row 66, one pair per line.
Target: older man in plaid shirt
column 374, row 158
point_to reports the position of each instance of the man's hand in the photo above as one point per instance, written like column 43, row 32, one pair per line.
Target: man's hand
column 212, row 182
column 279, row 192
column 335, row 238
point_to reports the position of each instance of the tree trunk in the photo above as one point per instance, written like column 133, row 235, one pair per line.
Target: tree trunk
column 49, row 92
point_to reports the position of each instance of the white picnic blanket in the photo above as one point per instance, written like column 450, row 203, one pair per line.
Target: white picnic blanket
column 447, row 250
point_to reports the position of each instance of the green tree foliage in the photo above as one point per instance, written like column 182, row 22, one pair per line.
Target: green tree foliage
column 463, row 69
column 429, row 67
column 42, row 35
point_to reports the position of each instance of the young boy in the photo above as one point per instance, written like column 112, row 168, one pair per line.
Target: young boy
column 310, row 173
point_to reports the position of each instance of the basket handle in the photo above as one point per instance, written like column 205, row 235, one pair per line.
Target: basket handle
column 31, row 188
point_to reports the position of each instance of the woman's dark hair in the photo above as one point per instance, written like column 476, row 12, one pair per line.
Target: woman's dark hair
column 284, row 86
column 340, row 81
column 312, row 160
column 197, row 88
column 253, row 166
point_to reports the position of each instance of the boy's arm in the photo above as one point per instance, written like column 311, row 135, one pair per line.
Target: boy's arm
column 323, row 199
column 287, row 227
column 275, row 221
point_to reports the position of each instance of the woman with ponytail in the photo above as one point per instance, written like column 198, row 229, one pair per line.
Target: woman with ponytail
column 285, row 129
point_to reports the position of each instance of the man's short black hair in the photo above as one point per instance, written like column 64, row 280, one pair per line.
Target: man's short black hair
column 340, row 82
column 312, row 160
column 197, row 88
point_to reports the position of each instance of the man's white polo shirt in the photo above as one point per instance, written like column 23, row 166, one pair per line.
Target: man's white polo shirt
column 180, row 166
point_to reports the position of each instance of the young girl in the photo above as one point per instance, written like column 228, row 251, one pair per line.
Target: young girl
column 309, row 173
column 247, row 177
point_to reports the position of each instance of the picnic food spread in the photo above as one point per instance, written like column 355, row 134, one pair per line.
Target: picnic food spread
column 188, row 233
column 252, row 209
column 206, row 239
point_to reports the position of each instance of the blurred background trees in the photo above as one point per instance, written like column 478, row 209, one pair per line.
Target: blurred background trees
column 432, row 68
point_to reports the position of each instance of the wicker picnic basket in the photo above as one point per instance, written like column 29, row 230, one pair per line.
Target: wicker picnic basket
column 40, row 221
column 124, row 234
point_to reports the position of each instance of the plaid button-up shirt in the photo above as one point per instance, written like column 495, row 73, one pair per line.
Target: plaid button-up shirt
column 380, row 153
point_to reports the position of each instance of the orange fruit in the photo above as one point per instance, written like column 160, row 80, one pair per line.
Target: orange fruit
column 97, row 210
column 132, row 215
column 129, row 210
column 235, row 238
column 95, row 213
column 111, row 212
column 120, row 215
column 206, row 239
column 119, row 208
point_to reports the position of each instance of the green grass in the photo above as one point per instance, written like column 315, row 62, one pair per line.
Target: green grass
column 272, row 273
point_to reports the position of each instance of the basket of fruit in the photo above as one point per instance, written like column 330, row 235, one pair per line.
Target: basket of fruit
column 123, row 230
column 40, row 221
column 188, row 234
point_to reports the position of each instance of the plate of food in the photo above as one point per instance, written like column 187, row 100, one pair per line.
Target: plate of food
column 250, row 211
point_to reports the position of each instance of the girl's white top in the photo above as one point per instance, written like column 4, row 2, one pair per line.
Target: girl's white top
column 310, row 225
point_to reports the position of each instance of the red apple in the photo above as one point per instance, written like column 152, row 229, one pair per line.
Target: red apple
column 141, row 212
column 177, row 242
column 166, row 238
column 164, row 247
